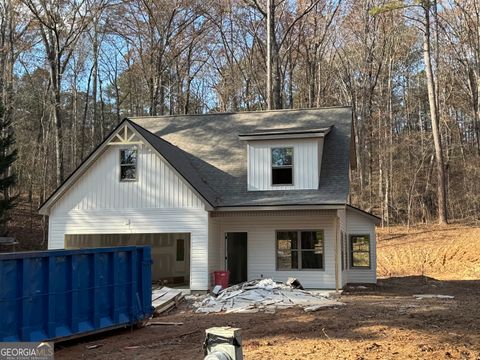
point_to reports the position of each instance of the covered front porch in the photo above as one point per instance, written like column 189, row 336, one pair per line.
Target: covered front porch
column 279, row 244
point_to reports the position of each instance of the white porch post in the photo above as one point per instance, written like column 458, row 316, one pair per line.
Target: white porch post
column 337, row 251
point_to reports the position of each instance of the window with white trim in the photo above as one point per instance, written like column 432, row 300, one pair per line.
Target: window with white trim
column 360, row 251
column 298, row 249
column 128, row 164
column 282, row 166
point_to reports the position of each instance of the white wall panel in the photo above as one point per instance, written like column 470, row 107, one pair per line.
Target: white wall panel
column 306, row 163
column 214, row 258
column 125, row 221
column 358, row 224
column 158, row 186
column 261, row 231
column 158, row 202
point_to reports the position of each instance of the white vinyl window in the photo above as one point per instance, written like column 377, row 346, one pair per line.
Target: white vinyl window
column 360, row 251
column 128, row 164
column 299, row 250
column 282, row 166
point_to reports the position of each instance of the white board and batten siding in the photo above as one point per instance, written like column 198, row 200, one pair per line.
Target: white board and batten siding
column 158, row 186
column 307, row 154
column 261, row 243
column 358, row 224
column 158, row 202
column 214, row 244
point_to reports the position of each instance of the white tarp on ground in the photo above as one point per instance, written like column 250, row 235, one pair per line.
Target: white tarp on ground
column 263, row 295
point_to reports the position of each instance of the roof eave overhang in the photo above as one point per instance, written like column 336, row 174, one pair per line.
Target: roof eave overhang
column 281, row 207
column 285, row 135
column 376, row 220
column 339, row 206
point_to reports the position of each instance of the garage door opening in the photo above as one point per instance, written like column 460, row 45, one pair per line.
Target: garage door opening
column 170, row 252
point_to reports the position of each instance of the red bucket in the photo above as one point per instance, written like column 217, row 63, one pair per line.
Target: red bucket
column 221, row 278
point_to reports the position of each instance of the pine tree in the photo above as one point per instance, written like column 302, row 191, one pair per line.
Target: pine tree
column 7, row 178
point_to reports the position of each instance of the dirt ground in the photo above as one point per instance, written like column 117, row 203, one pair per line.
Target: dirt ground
column 381, row 322
column 444, row 252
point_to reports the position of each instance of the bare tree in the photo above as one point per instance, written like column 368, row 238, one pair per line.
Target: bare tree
column 70, row 70
column 425, row 21
column 271, row 12
column 60, row 25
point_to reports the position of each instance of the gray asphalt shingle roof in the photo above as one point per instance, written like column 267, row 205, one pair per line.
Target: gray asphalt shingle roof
column 207, row 151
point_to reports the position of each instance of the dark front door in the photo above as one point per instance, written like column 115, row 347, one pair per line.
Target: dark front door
column 237, row 256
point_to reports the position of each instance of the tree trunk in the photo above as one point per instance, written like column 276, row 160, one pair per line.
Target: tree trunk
column 103, row 125
column 85, row 114
column 74, row 121
column 55, row 78
column 270, row 33
column 94, row 124
column 432, row 101
column 58, row 138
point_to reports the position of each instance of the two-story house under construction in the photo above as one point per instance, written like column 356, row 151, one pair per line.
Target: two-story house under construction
column 261, row 194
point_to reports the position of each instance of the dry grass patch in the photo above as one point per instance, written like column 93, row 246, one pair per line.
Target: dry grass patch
column 444, row 252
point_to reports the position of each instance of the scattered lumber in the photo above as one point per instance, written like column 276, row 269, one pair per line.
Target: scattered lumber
column 134, row 347
column 165, row 298
column 153, row 322
column 433, row 296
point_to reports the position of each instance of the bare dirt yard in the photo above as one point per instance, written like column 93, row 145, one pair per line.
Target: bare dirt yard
column 379, row 322
column 445, row 252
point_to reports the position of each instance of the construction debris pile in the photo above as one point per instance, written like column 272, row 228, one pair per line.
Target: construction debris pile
column 165, row 298
column 264, row 295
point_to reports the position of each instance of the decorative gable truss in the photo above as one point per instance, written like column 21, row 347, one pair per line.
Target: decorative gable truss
column 125, row 136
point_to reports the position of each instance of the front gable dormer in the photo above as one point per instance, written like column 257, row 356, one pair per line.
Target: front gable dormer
column 284, row 159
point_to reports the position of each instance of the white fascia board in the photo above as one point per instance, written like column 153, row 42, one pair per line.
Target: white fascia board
column 281, row 207
column 282, row 136
column 375, row 219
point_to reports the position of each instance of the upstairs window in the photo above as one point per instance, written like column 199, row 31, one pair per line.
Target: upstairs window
column 128, row 164
column 282, row 166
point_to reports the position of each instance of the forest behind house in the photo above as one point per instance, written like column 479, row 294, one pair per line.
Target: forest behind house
column 71, row 70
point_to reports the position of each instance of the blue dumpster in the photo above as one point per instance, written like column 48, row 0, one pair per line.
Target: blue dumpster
column 55, row 294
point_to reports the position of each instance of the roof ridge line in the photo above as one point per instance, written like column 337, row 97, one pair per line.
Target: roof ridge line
column 238, row 112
